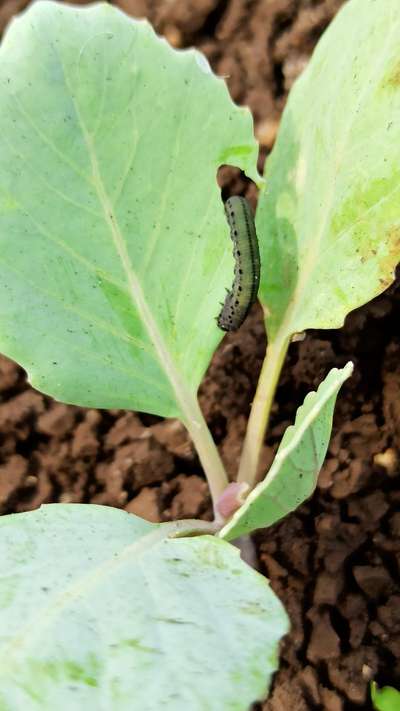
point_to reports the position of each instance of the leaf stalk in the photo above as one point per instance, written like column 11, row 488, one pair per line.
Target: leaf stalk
column 261, row 409
column 208, row 453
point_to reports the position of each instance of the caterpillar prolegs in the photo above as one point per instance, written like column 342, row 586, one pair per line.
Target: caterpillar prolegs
column 247, row 265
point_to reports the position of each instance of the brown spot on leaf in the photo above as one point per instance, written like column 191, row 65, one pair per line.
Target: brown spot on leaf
column 393, row 234
column 392, row 79
column 389, row 261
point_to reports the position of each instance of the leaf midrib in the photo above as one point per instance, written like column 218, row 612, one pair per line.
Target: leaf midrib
column 183, row 396
column 87, row 581
column 80, row 587
column 285, row 453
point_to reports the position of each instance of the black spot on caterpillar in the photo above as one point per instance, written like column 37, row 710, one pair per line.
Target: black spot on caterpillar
column 247, row 265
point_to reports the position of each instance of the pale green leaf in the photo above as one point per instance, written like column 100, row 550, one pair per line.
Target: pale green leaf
column 114, row 248
column 294, row 472
column 329, row 218
column 100, row 610
column 385, row 699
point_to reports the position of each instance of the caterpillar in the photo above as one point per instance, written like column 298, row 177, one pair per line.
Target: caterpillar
column 247, row 265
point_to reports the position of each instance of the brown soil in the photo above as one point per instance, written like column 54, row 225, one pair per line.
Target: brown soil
column 335, row 562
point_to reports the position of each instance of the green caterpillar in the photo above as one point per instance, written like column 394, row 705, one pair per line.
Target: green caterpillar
column 247, row 265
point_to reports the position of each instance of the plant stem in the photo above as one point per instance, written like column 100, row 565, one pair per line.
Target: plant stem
column 208, row 453
column 260, row 410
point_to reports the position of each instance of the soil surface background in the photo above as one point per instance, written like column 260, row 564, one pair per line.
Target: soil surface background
column 335, row 562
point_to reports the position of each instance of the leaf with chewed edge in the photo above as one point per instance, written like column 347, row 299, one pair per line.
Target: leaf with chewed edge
column 114, row 247
column 294, row 472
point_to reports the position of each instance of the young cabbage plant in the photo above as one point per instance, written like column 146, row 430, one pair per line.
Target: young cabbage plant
column 115, row 254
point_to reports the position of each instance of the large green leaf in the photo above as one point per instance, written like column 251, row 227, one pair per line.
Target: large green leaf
column 294, row 472
column 329, row 218
column 114, row 249
column 101, row 610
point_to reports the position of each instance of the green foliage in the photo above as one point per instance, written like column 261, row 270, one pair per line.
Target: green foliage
column 102, row 610
column 114, row 254
column 114, row 245
column 385, row 699
column 294, row 472
column 328, row 218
